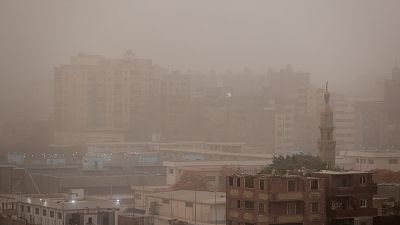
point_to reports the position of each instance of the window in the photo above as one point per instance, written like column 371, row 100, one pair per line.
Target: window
column 371, row 161
column 189, row 204
column 230, row 181
column 314, row 184
column 358, row 160
column 345, row 182
column 211, row 178
column 363, row 203
column 238, row 204
column 249, row 182
column 393, row 161
column 262, row 185
column 261, row 208
column 363, row 180
column 314, row 207
column 22, row 208
column 59, row 216
column 165, row 201
column 249, row 205
column 52, row 214
column 363, row 161
column 138, row 196
column 28, row 209
column 171, row 170
column 291, row 208
column 37, row 211
column 238, row 182
column 291, row 185
column 44, row 212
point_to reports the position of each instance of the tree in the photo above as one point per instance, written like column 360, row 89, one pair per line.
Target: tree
column 192, row 180
column 280, row 164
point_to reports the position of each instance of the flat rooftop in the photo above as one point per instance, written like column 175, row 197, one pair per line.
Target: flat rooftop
column 204, row 197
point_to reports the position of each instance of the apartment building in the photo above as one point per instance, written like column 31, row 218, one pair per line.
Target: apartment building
column 349, row 197
column 274, row 199
column 93, row 94
column 323, row 198
column 345, row 123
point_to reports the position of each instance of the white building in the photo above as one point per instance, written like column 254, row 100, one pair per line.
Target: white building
column 211, row 169
column 57, row 210
column 196, row 207
column 369, row 160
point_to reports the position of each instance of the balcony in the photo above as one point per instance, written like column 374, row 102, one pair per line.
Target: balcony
column 287, row 196
column 354, row 190
column 287, row 219
column 234, row 192
column 345, row 213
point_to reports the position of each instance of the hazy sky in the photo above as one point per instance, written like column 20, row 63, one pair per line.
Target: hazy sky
column 336, row 40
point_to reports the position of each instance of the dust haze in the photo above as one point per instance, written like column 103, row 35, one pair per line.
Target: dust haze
column 349, row 43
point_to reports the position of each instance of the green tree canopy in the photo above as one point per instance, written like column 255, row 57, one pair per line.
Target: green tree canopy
column 280, row 164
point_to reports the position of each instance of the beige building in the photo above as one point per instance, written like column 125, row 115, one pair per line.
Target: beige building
column 370, row 160
column 128, row 95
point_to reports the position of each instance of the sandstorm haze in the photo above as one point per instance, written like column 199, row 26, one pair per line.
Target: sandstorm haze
column 339, row 41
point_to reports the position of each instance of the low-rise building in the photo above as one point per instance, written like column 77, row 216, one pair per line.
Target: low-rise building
column 320, row 198
column 349, row 197
column 59, row 210
column 195, row 207
column 212, row 170
column 389, row 191
column 275, row 199
column 371, row 160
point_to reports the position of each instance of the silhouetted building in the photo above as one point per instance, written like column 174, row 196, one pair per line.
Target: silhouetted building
column 392, row 107
column 128, row 96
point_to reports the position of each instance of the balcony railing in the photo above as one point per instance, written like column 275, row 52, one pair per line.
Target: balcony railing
column 354, row 190
column 344, row 213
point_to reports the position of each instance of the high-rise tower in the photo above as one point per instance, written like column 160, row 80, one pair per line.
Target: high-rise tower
column 326, row 142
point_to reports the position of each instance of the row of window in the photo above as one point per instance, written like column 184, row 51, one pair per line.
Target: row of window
column 291, row 207
column 291, row 183
column 371, row 161
column 37, row 211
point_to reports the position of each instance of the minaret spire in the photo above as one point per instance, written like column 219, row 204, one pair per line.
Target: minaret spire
column 326, row 142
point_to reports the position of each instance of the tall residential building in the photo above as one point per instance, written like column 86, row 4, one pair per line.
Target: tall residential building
column 392, row 107
column 98, row 95
column 369, row 124
column 326, row 142
column 344, row 119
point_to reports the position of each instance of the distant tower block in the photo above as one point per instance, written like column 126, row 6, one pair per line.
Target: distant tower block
column 326, row 142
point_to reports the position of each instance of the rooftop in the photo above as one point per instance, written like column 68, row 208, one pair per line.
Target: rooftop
column 204, row 197
column 372, row 153
column 332, row 172
column 61, row 202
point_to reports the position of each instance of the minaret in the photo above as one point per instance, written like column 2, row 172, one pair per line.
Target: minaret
column 326, row 142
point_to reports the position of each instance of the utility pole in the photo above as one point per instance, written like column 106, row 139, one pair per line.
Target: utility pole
column 195, row 206
column 133, row 206
column 215, row 206
column 170, row 205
